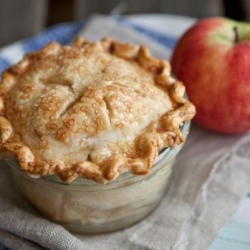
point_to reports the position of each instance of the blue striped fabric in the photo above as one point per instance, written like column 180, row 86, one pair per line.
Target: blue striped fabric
column 62, row 33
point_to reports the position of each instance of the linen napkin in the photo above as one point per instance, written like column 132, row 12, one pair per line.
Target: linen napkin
column 211, row 174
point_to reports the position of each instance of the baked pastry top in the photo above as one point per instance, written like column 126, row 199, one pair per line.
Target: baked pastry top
column 92, row 110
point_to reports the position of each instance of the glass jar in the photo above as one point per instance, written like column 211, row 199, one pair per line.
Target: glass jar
column 84, row 206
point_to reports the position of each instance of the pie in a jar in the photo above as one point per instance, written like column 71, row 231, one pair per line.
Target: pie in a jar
column 91, row 110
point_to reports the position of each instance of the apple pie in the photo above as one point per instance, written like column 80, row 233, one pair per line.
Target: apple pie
column 91, row 110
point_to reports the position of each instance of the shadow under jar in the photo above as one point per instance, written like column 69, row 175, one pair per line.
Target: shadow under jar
column 84, row 206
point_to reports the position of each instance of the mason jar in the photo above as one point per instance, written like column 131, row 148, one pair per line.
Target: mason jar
column 84, row 206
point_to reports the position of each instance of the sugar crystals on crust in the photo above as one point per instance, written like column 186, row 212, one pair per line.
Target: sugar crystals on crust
column 90, row 110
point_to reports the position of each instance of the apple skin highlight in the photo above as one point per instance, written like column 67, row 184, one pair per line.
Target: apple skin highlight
column 215, row 68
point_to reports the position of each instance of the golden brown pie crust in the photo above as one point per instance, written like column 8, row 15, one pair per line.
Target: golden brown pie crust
column 92, row 110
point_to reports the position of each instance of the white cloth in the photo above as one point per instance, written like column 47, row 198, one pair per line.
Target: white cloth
column 211, row 176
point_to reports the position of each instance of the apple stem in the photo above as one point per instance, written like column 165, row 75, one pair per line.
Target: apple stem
column 236, row 34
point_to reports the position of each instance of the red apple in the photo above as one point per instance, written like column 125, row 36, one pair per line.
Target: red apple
column 212, row 59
